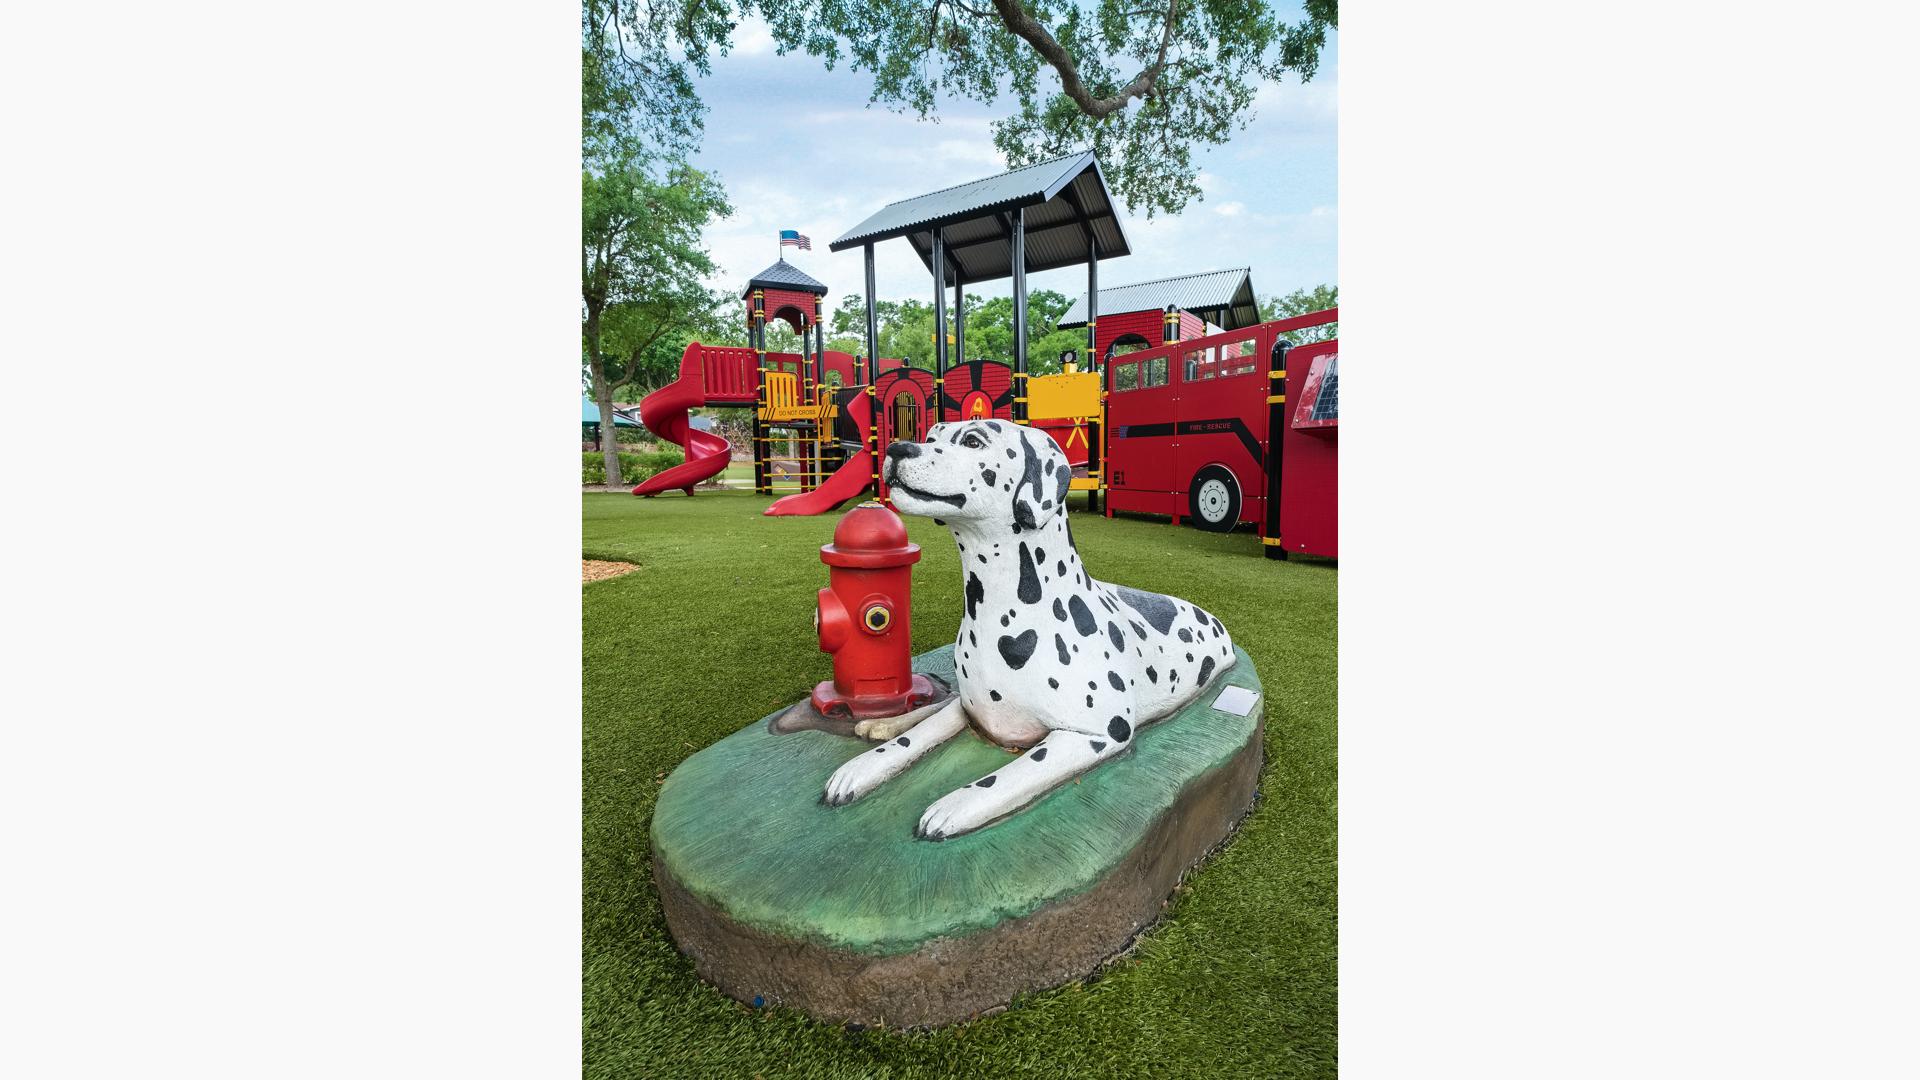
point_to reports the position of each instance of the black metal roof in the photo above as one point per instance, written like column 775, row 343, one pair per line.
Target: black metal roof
column 1065, row 199
column 783, row 275
column 1223, row 297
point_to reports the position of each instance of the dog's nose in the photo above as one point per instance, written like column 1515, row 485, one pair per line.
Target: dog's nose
column 901, row 450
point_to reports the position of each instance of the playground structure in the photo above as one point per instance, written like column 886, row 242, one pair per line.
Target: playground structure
column 1195, row 427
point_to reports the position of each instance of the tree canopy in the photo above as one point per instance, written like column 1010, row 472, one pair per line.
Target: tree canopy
column 1300, row 302
column 1141, row 82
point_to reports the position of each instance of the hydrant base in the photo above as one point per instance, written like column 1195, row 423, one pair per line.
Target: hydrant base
column 830, row 700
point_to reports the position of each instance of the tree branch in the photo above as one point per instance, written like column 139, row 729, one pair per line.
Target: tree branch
column 1024, row 27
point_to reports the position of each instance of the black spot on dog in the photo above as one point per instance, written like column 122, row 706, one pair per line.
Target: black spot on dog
column 1156, row 609
column 1060, row 569
column 994, row 694
column 1003, row 620
column 1138, row 629
column 982, row 558
column 1119, row 729
column 976, row 592
column 986, row 781
column 937, row 521
column 1059, row 612
column 990, row 476
column 1023, row 516
column 1029, row 577
column 1061, row 644
column 1055, row 683
column 1206, row 668
column 1117, row 682
column 1010, row 452
column 1017, row 650
column 902, row 740
column 1064, row 483
column 1039, row 753
column 1089, row 701
column 1083, row 619
column 971, row 640
column 1097, row 745
column 1119, row 642
column 1153, row 676
column 1186, row 634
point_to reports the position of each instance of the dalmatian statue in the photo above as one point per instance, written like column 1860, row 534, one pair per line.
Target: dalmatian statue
column 1049, row 661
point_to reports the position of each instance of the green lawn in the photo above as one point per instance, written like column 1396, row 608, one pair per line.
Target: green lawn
column 1238, row 980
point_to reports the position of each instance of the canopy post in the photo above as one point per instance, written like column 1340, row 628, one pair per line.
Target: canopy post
column 959, row 319
column 1019, row 258
column 1093, row 295
column 939, row 320
column 866, row 374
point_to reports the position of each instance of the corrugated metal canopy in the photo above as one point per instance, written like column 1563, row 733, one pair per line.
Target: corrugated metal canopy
column 1222, row 297
column 783, row 275
column 1065, row 200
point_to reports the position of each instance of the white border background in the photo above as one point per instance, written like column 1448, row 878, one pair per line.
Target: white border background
column 291, row 776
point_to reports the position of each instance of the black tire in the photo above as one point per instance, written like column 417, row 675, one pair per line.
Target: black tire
column 1213, row 499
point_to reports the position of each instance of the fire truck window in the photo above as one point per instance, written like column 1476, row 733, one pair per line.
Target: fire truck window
column 1200, row 365
column 1237, row 357
column 1126, row 377
column 833, row 378
column 1157, row 371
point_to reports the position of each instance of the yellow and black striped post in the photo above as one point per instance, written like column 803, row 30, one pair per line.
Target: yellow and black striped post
column 757, row 330
column 873, row 440
column 1170, row 324
column 1276, row 431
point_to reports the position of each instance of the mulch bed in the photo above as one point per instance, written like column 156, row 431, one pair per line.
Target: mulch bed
column 599, row 570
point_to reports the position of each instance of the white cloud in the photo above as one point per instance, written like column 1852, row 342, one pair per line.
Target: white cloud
column 1230, row 209
column 753, row 37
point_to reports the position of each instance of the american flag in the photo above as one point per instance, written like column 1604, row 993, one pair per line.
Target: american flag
column 789, row 236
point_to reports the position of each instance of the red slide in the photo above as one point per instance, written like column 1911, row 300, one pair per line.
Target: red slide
column 664, row 412
column 847, row 482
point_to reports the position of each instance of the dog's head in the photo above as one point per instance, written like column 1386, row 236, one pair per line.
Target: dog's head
column 992, row 472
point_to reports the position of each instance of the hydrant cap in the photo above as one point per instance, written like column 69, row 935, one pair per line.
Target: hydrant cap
column 871, row 536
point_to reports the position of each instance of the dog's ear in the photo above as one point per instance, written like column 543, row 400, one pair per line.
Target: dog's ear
column 1037, row 495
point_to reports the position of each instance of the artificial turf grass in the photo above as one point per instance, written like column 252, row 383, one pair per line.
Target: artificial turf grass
column 715, row 630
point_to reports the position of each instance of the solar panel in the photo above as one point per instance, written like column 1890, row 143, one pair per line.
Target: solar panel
column 1327, row 405
column 1318, row 404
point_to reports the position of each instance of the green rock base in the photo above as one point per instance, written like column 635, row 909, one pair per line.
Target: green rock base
column 843, row 913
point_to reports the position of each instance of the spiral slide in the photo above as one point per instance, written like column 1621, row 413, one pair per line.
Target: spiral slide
column 664, row 412
column 847, row 482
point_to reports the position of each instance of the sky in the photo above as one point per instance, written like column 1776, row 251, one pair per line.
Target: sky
column 798, row 148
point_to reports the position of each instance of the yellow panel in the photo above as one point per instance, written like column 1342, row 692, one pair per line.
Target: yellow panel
column 1063, row 397
column 1084, row 483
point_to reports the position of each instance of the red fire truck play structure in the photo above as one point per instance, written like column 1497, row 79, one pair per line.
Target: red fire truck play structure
column 1217, row 426
column 1221, row 429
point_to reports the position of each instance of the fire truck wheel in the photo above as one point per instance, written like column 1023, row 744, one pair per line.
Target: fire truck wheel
column 1213, row 499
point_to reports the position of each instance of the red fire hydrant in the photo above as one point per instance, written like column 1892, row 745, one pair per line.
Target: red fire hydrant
column 865, row 618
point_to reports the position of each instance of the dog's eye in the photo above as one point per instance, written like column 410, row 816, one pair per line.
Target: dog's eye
column 971, row 442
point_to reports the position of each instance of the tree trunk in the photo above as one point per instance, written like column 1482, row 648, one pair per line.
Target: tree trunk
column 609, row 433
column 603, row 397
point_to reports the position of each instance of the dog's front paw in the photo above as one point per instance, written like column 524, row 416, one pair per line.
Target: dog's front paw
column 958, row 812
column 858, row 777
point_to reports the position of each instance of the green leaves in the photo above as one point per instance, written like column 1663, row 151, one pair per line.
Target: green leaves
column 1140, row 81
column 642, row 261
column 1300, row 302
